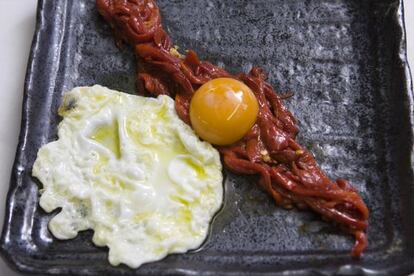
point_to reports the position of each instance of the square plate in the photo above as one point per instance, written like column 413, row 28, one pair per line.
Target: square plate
column 346, row 62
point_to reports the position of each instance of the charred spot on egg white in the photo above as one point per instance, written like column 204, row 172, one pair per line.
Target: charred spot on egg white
column 129, row 169
column 67, row 105
column 223, row 110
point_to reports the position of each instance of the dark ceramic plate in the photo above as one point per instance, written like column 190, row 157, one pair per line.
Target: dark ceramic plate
column 346, row 62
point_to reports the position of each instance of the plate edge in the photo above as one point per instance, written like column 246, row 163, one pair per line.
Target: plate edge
column 19, row 265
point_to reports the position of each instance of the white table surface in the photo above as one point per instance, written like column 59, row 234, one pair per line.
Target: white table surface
column 17, row 21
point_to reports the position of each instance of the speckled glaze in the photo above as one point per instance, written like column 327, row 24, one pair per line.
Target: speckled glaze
column 346, row 62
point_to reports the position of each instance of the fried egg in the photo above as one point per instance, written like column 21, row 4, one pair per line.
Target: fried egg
column 129, row 169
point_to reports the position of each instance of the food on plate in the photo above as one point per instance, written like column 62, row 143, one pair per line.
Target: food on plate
column 287, row 171
column 128, row 168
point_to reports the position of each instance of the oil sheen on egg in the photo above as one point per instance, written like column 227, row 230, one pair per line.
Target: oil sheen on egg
column 129, row 169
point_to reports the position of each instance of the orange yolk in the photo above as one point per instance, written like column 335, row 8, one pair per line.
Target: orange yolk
column 223, row 110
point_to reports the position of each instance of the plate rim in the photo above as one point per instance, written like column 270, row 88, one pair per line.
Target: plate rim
column 19, row 262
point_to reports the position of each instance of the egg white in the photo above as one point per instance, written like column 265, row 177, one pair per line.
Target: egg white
column 131, row 170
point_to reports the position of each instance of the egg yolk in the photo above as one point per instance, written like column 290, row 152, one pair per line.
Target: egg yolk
column 223, row 110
